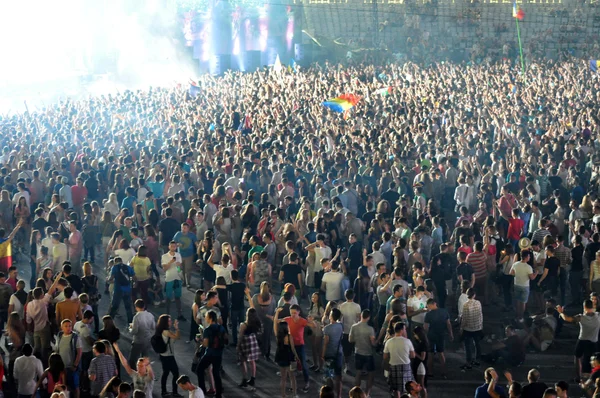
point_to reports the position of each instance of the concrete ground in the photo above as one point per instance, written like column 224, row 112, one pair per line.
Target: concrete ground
column 555, row 364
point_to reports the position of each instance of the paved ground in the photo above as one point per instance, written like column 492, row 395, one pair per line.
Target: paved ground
column 556, row 364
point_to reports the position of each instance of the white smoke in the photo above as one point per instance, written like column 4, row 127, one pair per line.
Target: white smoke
column 79, row 47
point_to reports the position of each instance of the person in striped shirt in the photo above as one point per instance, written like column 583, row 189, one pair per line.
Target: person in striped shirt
column 478, row 260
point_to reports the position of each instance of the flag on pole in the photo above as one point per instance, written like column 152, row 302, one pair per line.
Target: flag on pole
column 342, row 103
column 518, row 12
column 294, row 65
column 194, row 90
column 245, row 126
column 593, row 65
column 277, row 67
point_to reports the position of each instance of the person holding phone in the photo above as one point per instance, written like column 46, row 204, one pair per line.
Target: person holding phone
column 171, row 264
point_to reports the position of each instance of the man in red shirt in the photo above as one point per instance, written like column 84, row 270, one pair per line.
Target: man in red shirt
column 515, row 229
column 296, row 325
column 79, row 195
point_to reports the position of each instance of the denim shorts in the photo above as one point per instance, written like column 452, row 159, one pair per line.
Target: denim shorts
column 173, row 288
column 73, row 379
column 521, row 294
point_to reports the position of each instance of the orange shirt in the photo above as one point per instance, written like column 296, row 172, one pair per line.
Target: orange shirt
column 67, row 309
column 297, row 329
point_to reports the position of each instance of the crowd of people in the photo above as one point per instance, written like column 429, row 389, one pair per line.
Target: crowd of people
column 383, row 232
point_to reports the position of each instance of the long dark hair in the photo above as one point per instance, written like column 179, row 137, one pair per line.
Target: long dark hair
column 198, row 297
column 420, row 334
column 319, row 304
column 253, row 324
column 162, row 324
column 283, row 330
column 393, row 321
column 55, row 366
column 108, row 323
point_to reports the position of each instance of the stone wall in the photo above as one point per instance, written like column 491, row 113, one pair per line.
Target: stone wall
column 441, row 29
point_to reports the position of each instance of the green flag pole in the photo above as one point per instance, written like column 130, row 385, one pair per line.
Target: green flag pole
column 520, row 45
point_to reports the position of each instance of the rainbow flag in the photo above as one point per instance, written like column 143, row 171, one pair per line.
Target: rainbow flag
column 5, row 255
column 342, row 103
column 518, row 12
column 593, row 65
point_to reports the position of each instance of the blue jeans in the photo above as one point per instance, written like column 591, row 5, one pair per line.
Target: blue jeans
column 237, row 317
column 119, row 295
column 302, row 355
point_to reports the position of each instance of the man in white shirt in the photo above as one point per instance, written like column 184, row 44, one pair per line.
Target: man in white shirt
column 461, row 194
column 397, row 353
column 523, row 273
column 186, row 385
column 321, row 251
column 224, row 269
column 332, row 283
column 417, row 307
column 233, row 181
column 350, row 315
column 27, row 370
column 171, row 263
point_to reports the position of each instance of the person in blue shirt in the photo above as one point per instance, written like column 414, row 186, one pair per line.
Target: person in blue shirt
column 577, row 193
column 121, row 274
column 157, row 186
column 491, row 377
column 129, row 201
column 186, row 241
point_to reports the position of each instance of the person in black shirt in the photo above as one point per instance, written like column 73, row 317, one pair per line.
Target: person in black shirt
column 291, row 273
column 551, row 269
column 355, row 257
column 592, row 248
column 464, row 271
column 74, row 280
column 392, row 196
column 237, row 290
column 40, row 222
column 441, row 270
column 535, row 388
column 370, row 214
column 214, row 339
column 576, row 272
column 167, row 228
column 463, row 230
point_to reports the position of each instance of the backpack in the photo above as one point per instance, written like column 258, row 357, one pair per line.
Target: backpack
column 73, row 344
column 158, row 344
column 91, row 290
column 220, row 340
column 123, row 278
